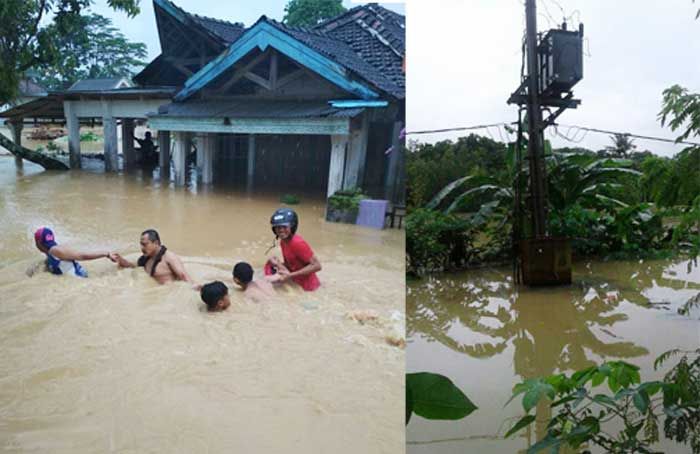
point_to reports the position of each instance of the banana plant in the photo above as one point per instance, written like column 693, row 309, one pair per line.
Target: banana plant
column 571, row 178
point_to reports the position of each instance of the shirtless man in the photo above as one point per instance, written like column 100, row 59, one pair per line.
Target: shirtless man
column 161, row 264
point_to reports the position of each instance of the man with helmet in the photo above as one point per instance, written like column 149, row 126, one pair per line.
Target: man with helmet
column 299, row 264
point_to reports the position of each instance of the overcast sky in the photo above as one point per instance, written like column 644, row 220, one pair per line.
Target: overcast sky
column 463, row 61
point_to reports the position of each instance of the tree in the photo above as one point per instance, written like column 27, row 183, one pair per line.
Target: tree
column 307, row 13
column 28, row 40
column 622, row 145
column 94, row 49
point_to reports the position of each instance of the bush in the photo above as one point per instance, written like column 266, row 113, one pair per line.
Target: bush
column 346, row 199
column 89, row 137
column 290, row 199
column 436, row 241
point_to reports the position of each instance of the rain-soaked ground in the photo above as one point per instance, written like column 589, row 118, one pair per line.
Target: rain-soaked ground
column 117, row 363
column 486, row 336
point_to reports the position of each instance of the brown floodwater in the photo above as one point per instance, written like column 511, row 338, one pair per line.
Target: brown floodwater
column 117, row 363
column 486, row 336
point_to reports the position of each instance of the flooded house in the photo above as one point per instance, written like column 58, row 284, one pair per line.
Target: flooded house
column 267, row 106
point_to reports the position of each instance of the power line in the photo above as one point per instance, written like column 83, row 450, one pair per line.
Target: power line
column 636, row 136
column 461, row 128
column 580, row 133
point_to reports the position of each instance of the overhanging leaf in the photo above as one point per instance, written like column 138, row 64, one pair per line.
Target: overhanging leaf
column 523, row 422
column 434, row 396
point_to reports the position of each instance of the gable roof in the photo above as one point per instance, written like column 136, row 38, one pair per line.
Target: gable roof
column 100, row 84
column 29, row 88
column 368, row 41
column 342, row 52
column 227, row 31
column 376, row 34
column 223, row 32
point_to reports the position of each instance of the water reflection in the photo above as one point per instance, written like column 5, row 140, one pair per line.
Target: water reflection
column 480, row 317
column 548, row 332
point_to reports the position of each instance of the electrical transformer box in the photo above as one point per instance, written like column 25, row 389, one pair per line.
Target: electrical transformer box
column 560, row 61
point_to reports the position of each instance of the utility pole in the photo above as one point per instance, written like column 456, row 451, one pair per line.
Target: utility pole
column 554, row 66
column 535, row 144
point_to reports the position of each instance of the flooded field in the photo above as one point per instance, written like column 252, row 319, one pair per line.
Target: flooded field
column 117, row 363
column 476, row 329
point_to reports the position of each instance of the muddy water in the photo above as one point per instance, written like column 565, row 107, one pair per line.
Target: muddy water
column 477, row 330
column 116, row 363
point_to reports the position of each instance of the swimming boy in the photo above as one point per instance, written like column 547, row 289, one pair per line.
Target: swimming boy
column 300, row 264
column 161, row 264
column 62, row 259
column 215, row 296
column 256, row 290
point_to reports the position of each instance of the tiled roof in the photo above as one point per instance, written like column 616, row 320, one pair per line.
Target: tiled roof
column 99, row 84
column 368, row 40
column 227, row 31
column 30, row 88
column 376, row 34
column 342, row 53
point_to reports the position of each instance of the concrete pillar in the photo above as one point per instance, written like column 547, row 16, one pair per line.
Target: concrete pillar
column 207, row 146
column 109, row 125
column 336, row 169
column 182, row 143
column 164, row 152
column 200, row 152
column 128, row 149
column 250, row 173
column 393, row 169
column 16, row 128
column 357, row 153
column 73, row 124
column 111, row 146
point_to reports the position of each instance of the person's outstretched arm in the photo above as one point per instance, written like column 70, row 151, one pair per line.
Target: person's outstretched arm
column 66, row 253
column 121, row 261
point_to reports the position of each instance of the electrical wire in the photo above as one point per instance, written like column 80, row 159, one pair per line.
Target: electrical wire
column 579, row 133
column 461, row 128
column 636, row 136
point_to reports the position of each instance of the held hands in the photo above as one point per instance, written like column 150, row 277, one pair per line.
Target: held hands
column 284, row 274
column 118, row 259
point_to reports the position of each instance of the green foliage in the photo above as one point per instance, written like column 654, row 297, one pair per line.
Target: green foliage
column 92, row 49
column 290, row 199
column 586, row 415
column 596, row 201
column 436, row 241
column 434, row 396
column 307, row 13
column 346, row 199
column 681, row 110
column 430, row 167
column 30, row 31
column 686, row 235
column 89, row 137
column 51, row 146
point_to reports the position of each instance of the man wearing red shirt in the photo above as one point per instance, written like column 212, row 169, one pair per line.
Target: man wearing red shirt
column 300, row 264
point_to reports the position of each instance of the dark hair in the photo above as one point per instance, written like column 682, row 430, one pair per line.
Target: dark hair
column 243, row 272
column 152, row 235
column 212, row 293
